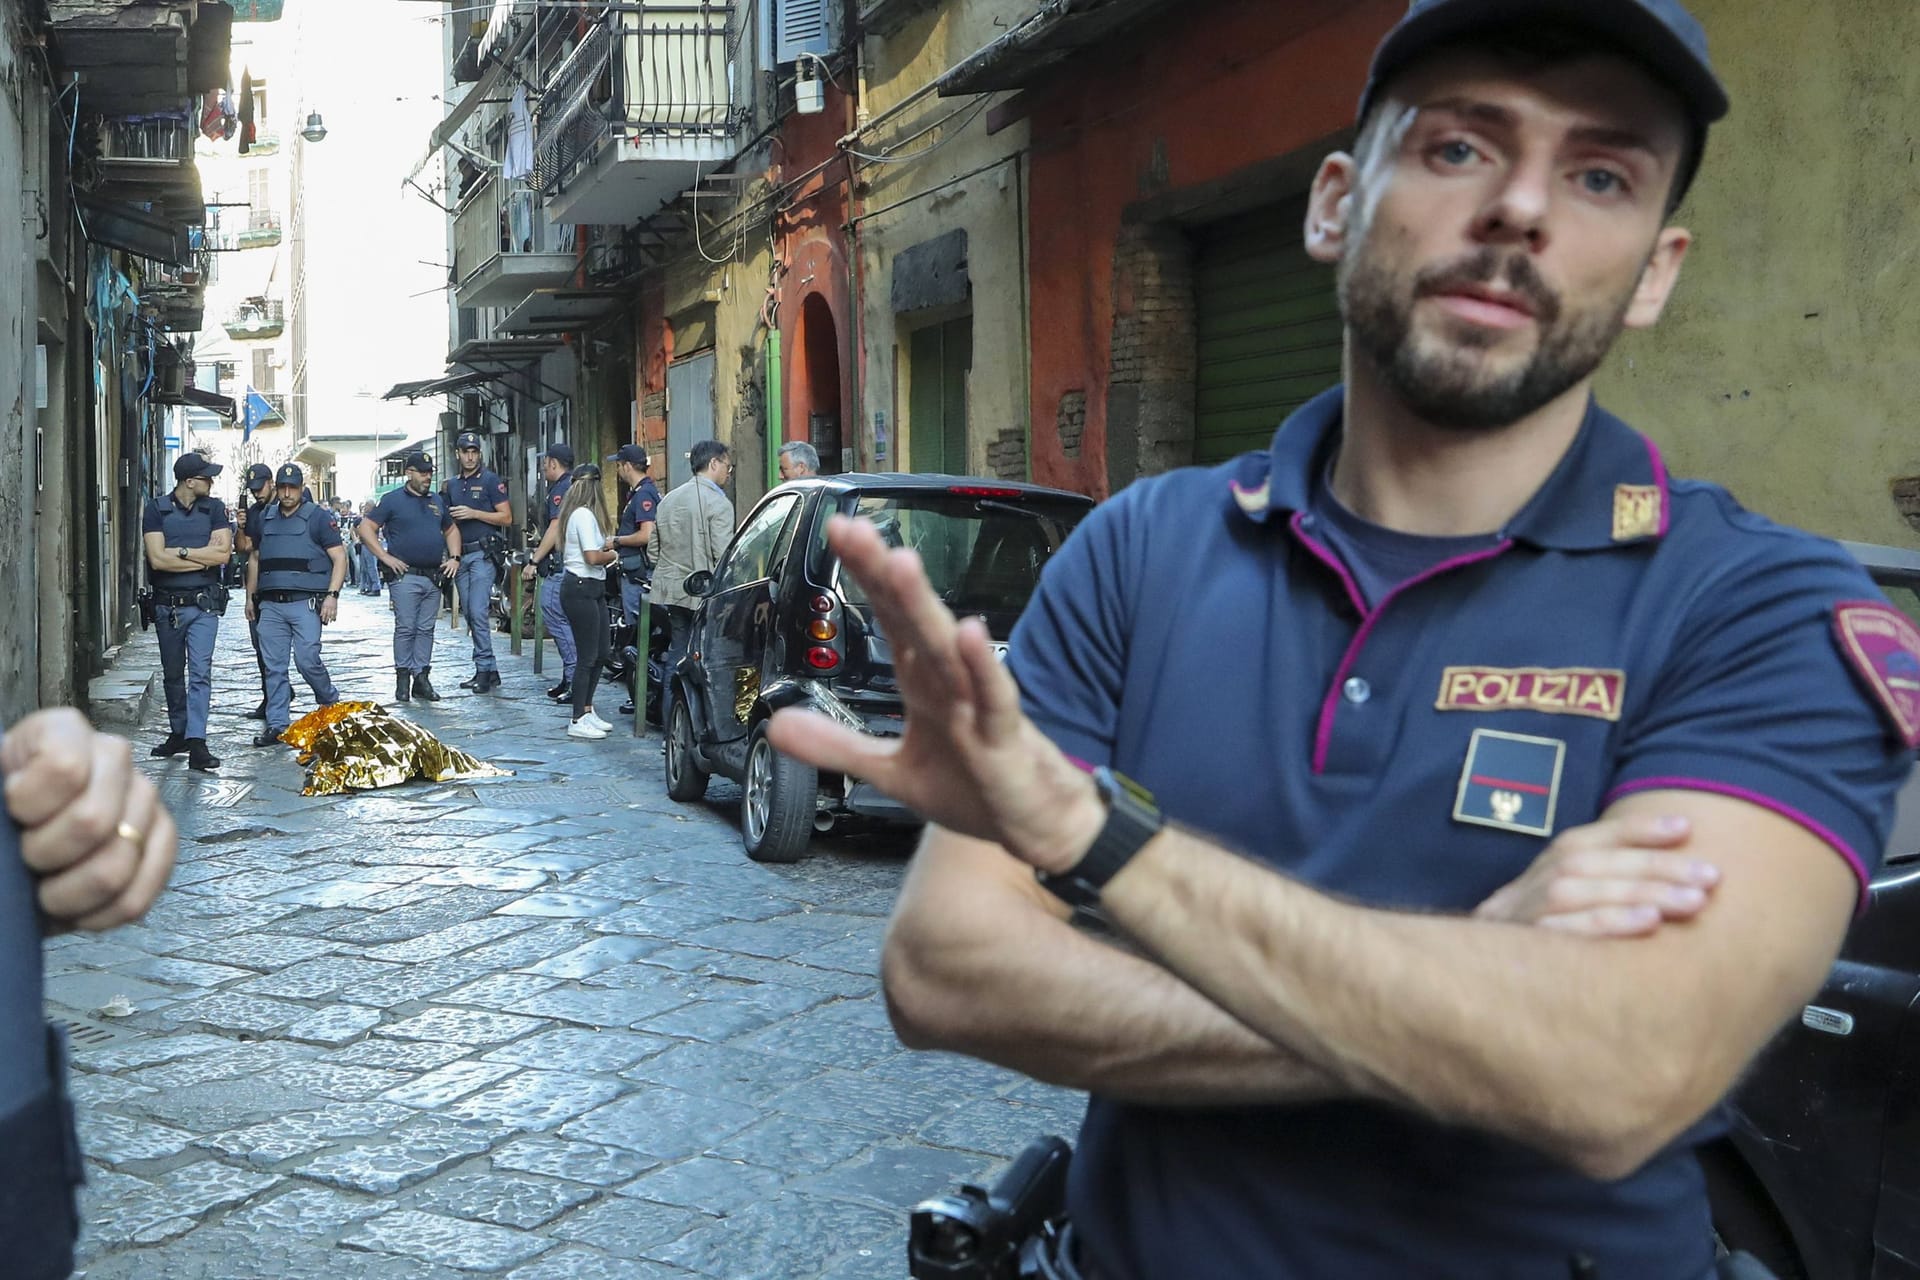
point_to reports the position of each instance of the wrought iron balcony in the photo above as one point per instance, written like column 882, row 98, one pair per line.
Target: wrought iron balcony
column 257, row 320
column 262, row 229
column 628, row 118
column 504, row 247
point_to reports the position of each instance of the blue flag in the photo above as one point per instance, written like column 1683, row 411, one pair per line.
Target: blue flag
column 254, row 411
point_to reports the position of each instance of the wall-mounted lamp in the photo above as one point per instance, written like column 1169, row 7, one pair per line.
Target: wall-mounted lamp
column 315, row 131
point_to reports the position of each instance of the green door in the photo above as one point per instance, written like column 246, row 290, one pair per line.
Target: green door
column 1269, row 329
column 939, row 362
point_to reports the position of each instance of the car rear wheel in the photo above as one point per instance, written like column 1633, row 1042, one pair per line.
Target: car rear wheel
column 776, row 815
column 686, row 780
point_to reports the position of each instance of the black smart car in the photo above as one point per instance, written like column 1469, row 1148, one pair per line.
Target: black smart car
column 780, row 626
column 1820, row 1177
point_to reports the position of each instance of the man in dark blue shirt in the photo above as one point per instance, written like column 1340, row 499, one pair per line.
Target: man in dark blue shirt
column 293, row 591
column 423, row 547
column 1378, row 674
column 633, row 536
column 546, row 562
column 188, row 542
column 477, row 501
column 259, row 481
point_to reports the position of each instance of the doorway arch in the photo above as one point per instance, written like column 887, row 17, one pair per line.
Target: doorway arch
column 819, row 420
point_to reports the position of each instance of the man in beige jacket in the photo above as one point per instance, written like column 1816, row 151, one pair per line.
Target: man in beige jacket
column 695, row 524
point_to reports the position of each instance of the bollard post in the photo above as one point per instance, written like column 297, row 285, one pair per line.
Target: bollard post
column 539, row 629
column 642, row 644
column 515, row 585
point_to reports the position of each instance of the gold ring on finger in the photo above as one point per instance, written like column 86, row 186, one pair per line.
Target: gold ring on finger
column 133, row 835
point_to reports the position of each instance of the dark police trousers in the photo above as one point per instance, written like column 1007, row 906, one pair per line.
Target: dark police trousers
column 39, row 1156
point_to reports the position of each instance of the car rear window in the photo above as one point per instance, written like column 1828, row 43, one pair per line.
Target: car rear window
column 982, row 554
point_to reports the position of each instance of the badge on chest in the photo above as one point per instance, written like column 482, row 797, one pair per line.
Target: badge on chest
column 1510, row 781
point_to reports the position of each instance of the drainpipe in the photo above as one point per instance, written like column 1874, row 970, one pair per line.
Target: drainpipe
column 775, row 396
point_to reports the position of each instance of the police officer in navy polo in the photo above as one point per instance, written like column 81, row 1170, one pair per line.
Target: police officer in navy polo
column 1319, row 743
column 188, row 542
column 259, row 481
column 293, row 590
column 557, row 467
column 634, row 534
column 423, row 547
column 477, row 501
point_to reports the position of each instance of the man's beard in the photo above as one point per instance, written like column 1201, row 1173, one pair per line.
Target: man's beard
column 418, row 490
column 1443, row 384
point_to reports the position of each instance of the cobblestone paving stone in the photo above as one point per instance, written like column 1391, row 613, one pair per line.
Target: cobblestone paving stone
column 546, row 1027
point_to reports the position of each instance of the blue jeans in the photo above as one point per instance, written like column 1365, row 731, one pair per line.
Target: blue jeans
column 682, row 623
column 186, row 661
column 369, row 569
column 475, row 584
column 555, row 619
column 416, row 608
column 292, row 627
column 630, row 592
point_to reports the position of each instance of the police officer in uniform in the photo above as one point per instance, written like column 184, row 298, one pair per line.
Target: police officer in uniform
column 423, row 548
column 1470, row 610
column 188, row 542
column 477, row 501
column 557, row 467
column 293, row 589
column 260, row 490
column 632, row 537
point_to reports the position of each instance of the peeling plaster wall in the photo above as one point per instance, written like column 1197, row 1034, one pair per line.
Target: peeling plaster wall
column 1787, row 365
column 19, row 221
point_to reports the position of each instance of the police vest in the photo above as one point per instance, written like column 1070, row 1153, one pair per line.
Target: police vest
column 187, row 529
column 291, row 557
column 42, row 1167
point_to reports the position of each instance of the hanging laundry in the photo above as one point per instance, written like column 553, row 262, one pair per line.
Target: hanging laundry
column 519, row 137
column 211, row 119
column 247, row 134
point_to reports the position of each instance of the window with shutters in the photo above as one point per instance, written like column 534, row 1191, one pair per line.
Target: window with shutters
column 804, row 27
column 260, row 188
column 262, row 369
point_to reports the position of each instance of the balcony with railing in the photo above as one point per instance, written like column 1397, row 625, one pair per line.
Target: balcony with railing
column 504, row 247
column 256, row 320
column 628, row 120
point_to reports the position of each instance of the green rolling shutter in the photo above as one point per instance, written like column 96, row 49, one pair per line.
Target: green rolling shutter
column 1269, row 329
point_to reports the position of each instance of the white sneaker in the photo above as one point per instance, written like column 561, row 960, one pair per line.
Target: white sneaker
column 584, row 727
column 595, row 717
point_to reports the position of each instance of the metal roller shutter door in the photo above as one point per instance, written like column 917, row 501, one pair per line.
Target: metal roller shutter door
column 1269, row 330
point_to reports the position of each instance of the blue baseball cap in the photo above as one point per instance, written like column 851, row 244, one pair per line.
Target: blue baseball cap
column 291, row 474
column 467, row 440
column 1660, row 34
column 258, row 474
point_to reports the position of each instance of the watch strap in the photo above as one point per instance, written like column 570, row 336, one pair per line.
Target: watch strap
column 1132, row 820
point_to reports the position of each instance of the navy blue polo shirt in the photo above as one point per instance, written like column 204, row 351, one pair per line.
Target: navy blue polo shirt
column 555, row 496
column 1623, row 633
column 415, row 526
column 483, row 491
column 643, row 507
column 184, row 526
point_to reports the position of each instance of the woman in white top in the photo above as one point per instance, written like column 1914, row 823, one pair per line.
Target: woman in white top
column 587, row 550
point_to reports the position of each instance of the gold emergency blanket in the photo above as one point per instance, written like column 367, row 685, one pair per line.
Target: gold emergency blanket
column 352, row 746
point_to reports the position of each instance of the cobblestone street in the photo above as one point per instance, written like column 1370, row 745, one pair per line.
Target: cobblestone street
column 552, row 1026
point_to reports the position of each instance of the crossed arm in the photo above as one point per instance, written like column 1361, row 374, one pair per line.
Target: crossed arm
column 214, row 555
column 1262, row 989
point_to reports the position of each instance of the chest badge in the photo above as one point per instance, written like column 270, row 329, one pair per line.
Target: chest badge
column 1510, row 781
column 1638, row 510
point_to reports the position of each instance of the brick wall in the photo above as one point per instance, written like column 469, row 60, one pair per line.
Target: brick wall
column 1007, row 455
column 1154, row 358
column 1071, row 422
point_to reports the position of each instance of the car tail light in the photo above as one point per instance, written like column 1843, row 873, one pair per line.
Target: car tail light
column 821, row 658
column 822, row 603
column 982, row 491
column 822, row 630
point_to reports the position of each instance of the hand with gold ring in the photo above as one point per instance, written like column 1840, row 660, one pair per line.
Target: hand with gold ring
column 92, row 828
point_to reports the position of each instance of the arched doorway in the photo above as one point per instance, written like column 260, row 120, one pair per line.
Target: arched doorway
column 819, row 419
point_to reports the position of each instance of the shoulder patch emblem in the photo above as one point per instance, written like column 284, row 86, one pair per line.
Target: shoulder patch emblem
column 1510, row 781
column 1884, row 647
column 1637, row 511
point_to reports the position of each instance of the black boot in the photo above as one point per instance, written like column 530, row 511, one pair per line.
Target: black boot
column 173, row 746
column 476, row 681
column 198, row 757
column 423, row 687
column 626, row 708
column 561, row 692
column 489, row 681
column 259, row 712
column 402, row 686
column 267, row 738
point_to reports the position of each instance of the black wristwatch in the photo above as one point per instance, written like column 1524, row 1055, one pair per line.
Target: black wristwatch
column 1132, row 820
